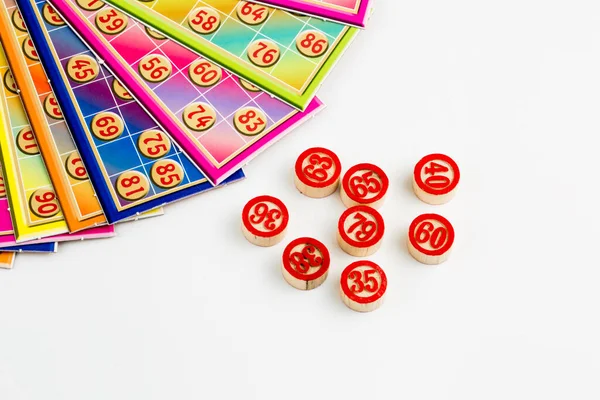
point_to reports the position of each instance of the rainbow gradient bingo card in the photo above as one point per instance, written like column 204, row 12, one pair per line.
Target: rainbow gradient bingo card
column 80, row 207
column 132, row 163
column 35, row 210
column 219, row 121
column 285, row 54
column 350, row 12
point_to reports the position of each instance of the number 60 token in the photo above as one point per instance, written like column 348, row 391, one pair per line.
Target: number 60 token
column 430, row 239
column 363, row 285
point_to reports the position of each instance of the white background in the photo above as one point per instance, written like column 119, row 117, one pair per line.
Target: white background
column 182, row 307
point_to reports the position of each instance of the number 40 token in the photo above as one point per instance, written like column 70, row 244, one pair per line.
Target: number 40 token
column 363, row 285
column 436, row 178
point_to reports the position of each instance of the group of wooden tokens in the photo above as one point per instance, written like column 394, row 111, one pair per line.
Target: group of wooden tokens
column 363, row 188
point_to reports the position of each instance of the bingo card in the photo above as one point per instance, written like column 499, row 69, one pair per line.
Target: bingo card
column 351, row 12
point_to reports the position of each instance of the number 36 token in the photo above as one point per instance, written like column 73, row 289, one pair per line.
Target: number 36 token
column 264, row 221
column 430, row 239
column 360, row 231
column 363, row 285
column 305, row 263
column 364, row 184
column 436, row 178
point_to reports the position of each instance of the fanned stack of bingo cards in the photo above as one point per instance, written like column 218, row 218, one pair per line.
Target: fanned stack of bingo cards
column 112, row 109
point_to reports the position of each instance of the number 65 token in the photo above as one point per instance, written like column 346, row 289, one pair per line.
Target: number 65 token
column 363, row 285
column 430, row 239
column 305, row 263
column 264, row 221
column 436, row 178
column 360, row 231
column 364, row 184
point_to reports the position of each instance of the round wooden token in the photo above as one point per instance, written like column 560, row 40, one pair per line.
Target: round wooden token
column 251, row 13
column 120, row 91
column 26, row 142
column 17, row 20
column 75, row 167
column 363, row 285
column 154, row 144
column 199, row 116
column 360, row 231
column 250, row 121
column 204, row 73
column 436, row 178
column 52, row 108
column 312, row 43
column 155, row 34
column 132, row 186
column 29, row 49
column 248, row 86
column 430, row 239
column 204, row 20
column 9, row 82
column 90, row 5
column 111, row 21
column 82, row 68
column 166, row 174
column 263, row 53
column 364, row 184
column 305, row 263
column 51, row 16
column 107, row 126
column 318, row 172
column 264, row 221
column 43, row 203
column 155, row 68
column 2, row 185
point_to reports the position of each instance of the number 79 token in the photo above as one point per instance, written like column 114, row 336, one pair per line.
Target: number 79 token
column 360, row 231
column 363, row 285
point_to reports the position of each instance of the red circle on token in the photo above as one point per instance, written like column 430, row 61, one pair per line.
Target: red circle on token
column 306, row 259
column 364, row 223
column 365, row 183
column 265, row 216
column 437, row 174
column 431, row 234
column 318, row 167
column 363, row 282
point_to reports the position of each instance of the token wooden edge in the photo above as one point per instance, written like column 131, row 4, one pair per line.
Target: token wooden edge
column 349, row 203
column 316, row 192
column 427, row 259
column 433, row 199
column 302, row 284
column 263, row 241
column 361, row 307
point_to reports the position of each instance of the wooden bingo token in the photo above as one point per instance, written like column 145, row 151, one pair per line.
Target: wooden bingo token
column 312, row 43
column 435, row 179
column 75, row 167
column 111, row 21
column 154, row 144
column 318, row 172
column 26, row 142
column 107, row 126
column 204, row 20
column 430, row 239
column 17, row 20
column 9, row 82
column 263, row 53
column 132, row 186
column 204, row 73
column 154, row 34
column 251, row 13
column 51, row 16
column 199, row 116
column 250, row 121
column 264, row 221
column 120, row 91
column 363, row 285
column 43, row 203
column 52, row 108
column 90, row 5
column 2, row 185
column 29, row 49
column 82, row 68
column 364, row 184
column 248, row 86
column 360, row 231
column 155, row 68
column 166, row 174
column 305, row 263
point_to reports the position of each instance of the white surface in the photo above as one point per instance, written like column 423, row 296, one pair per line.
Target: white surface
column 182, row 307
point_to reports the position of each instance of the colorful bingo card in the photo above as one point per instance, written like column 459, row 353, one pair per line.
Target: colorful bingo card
column 351, row 12
column 35, row 210
column 218, row 120
column 285, row 54
column 132, row 162
column 80, row 207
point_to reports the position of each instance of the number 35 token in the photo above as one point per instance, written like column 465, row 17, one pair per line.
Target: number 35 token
column 430, row 239
column 318, row 172
column 436, row 178
column 363, row 285
column 305, row 263
column 364, row 184
column 264, row 221
column 360, row 231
